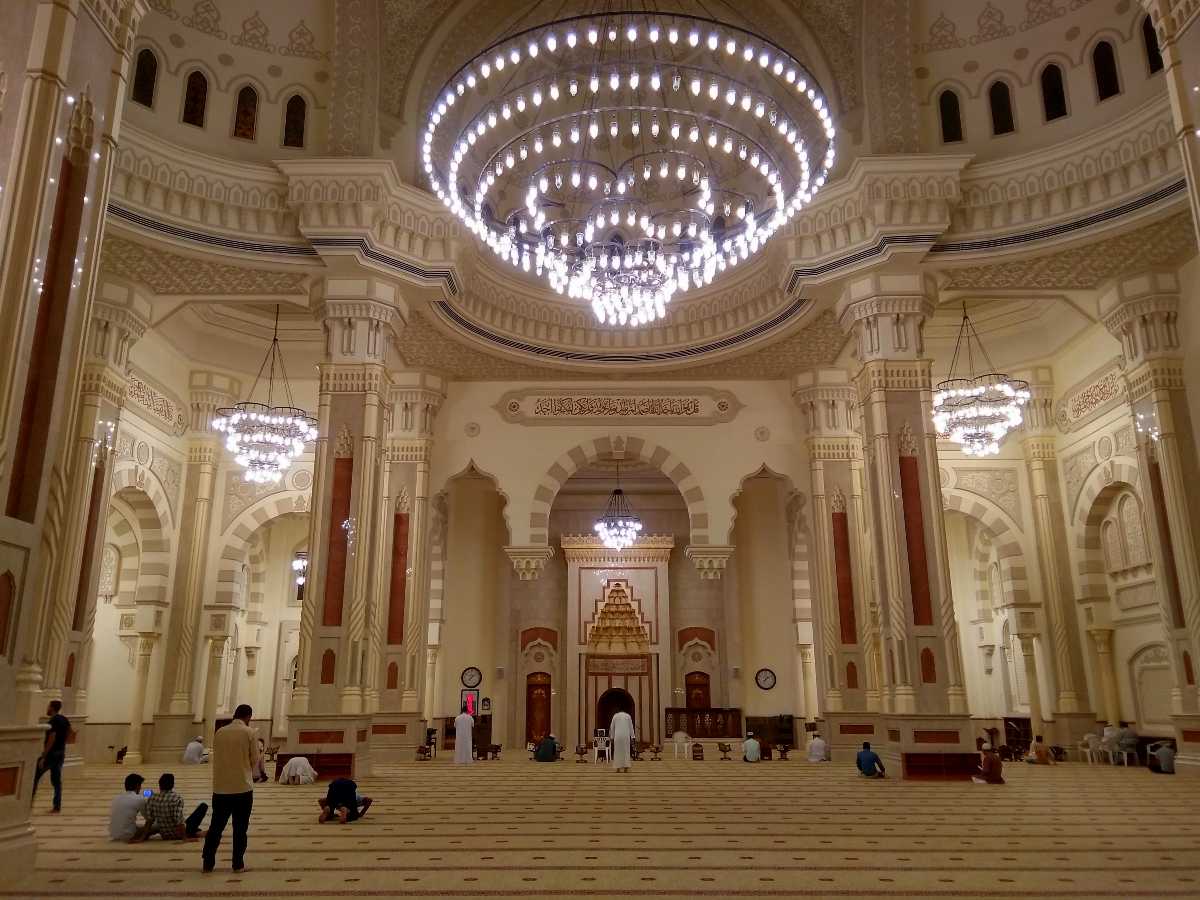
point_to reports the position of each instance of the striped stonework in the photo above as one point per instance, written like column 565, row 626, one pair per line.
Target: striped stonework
column 1101, row 486
column 146, row 510
column 1004, row 535
column 634, row 448
column 238, row 540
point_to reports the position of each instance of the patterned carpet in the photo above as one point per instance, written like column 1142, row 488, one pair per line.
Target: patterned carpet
column 669, row 829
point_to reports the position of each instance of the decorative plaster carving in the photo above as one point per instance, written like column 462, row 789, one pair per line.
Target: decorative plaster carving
column 172, row 274
column 356, row 81
column 906, row 442
column 206, row 17
column 164, row 412
column 659, row 406
column 255, row 34
column 403, row 502
column 343, row 447
column 991, row 25
column 837, row 500
column 997, row 485
column 943, row 35
column 528, row 561
column 710, row 560
column 240, row 495
column 170, row 474
column 1092, row 397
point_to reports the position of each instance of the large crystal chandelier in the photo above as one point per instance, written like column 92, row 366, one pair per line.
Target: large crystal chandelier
column 619, row 527
column 976, row 410
column 625, row 156
column 264, row 438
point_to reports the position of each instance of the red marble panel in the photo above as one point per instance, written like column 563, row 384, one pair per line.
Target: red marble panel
column 935, row 737
column 387, row 728
column 328, row 667
column 9, row 777
column 362, row 735
column 697, row 634
column 91, row 542
column 1189, row 736
column 844, row 577
column 69, row 675
column 1168, row 552
column 914, row 538
column 393, row 676
column 928, row 667
column 894, row 735
column 335, row 570
column 856, row 728
column 321, row 737
column 395, row 625
column 1189, row 673
column 529, row 635
column 8, row 599
column 851, row 676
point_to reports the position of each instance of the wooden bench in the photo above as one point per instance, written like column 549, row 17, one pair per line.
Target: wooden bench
column 725, row 749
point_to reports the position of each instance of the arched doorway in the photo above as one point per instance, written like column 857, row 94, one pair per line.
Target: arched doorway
column 537, row 706
column 697, row 690
column 611, row 702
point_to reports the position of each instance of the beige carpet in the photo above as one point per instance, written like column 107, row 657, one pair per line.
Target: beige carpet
column 668, row 829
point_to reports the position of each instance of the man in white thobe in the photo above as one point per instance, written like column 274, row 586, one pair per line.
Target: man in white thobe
column 751, row 749
column 622, row 741
column 818, row 749
column 194, row 752
column 463, row 726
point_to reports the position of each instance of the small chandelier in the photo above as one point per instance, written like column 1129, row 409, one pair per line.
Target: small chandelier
column 619, row 527
column 265, row 438
column 628, row 156
column 975, row 410
column 300, row 567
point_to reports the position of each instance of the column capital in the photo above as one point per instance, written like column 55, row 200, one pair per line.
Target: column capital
column 1140, row 312
column 528, row 560
column 886, row 313
column 828, row 399
column 208, row 392
column 120, row 317
column 415, row 399
column 710, row 560
column 1102, row 638
column 361, row 316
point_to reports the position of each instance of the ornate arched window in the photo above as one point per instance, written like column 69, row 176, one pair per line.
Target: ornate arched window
column 195, row 100
column 1104, row 68
column 294, row 115
column 245, row 117
column 1154, row 60
column 1000, row 102
column 951, row 117
column 145, row 78
column 1054, row 93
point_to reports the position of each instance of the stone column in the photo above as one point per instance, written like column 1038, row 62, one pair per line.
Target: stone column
column 360, row 316
column 212, row 685
column 137, row 708
column 885, row 314
column 1141, row 313
column 209, row 391
column 1036, row 721
column 1102, row 642
column 119, row 319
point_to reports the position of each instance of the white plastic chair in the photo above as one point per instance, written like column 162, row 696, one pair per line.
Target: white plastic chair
column 683, row 744
column 1089, row 748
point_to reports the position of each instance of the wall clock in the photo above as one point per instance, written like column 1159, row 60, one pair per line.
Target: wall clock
column 765, row 679
column 471, row 677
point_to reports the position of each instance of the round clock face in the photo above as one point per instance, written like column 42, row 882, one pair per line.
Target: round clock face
column 765, row 679
column 471, row 677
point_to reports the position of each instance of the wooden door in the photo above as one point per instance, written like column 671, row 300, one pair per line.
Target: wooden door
column 537, row 706
column 697, row 690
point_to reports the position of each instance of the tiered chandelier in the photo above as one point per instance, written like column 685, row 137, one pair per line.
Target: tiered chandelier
column 264, row 438
column 300, row 567
column 975, row 410
column 627, row 156
column 619, row 527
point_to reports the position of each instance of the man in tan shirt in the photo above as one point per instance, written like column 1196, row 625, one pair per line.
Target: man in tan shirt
column 234, row 754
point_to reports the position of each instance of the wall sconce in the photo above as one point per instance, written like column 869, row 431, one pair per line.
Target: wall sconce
column 300, row 567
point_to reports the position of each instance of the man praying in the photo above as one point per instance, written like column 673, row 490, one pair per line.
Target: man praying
column 622, row 740
column 343, row 802
column 751, row 749
column 868, row 762
column 464, row 726
column 818, row 750
column 990, row 766
column 194, row 752
column 547, row 750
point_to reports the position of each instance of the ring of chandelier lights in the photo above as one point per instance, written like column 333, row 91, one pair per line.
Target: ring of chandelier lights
column 626, row 157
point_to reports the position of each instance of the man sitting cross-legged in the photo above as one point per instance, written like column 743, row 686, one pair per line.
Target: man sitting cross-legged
column 343, row 802
column 164, row 814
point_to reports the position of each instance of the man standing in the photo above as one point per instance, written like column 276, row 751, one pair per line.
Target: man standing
column 234, row 753
column 622, row 741
column 54, row 752
column 464, row 725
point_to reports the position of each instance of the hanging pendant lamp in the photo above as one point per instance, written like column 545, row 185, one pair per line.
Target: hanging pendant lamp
column 264, row 438
column 619, row 527
column 977, row 410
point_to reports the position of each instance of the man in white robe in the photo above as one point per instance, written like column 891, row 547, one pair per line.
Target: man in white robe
column 751, row 748
column 818, row 750
column 194, row 752
column 622, row 741
column 464, row 725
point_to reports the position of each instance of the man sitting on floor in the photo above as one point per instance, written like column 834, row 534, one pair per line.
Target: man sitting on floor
column 547, row 750
column 164, row 814
column 1162, row 760
column 818, row 750
column 343, row 802
column 195, row 752
column 990, row 767
column 1039, row 753
column 868, row 762
column 751, row 749
column 125, row 809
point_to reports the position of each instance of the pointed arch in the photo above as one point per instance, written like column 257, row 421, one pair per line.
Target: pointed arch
column 634, row 447
column 1154, row 60
column 195, row 99
column 1104, row 483
column 1054, row 92
column 1104, row 71
column 950, row 116
column 245, row 113
column 145, row 78
column 295, row 115
column 1000, row 104
column 239, row 535
column 1004, row 534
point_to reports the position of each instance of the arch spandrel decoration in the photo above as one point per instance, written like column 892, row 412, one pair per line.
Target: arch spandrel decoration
column 1004, row 534
column 1105, row 482
column 238, row 536
column 633, row 447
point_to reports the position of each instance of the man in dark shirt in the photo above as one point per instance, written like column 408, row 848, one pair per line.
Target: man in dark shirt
column 868, row 762
column 547, row 750
column 54, row 752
